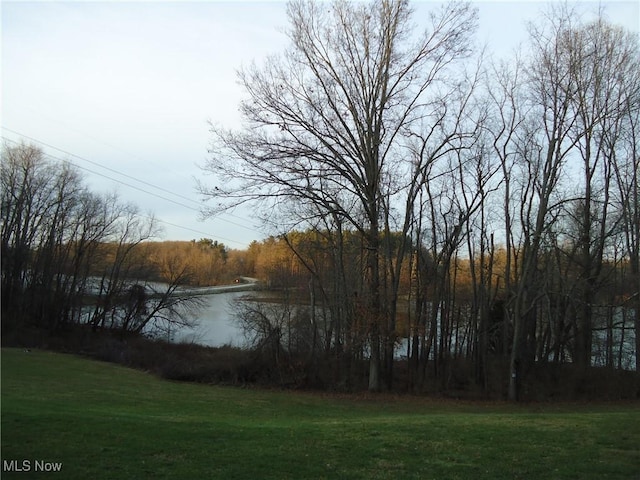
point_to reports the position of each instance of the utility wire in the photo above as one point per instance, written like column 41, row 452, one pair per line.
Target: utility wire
column 206, row 234
column 144, row 182
column 124, row 175
column 129, row 185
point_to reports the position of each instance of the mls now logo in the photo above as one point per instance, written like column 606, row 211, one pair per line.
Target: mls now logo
column 28, row 466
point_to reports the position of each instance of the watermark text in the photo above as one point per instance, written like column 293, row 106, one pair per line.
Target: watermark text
column 31, row 466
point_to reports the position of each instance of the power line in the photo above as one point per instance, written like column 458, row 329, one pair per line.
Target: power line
column 130, row 186
column 144, row 191
column 126, row 176
column 208, row 235
column 144, row 182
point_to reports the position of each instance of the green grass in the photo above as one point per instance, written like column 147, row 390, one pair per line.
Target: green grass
column 106, row 421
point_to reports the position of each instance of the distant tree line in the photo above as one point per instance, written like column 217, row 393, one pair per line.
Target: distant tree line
column 488, row 213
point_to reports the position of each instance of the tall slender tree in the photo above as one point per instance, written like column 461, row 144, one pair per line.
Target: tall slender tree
column 326, row 122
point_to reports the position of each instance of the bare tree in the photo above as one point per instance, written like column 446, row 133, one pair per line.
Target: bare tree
column 280, row 334
column 560, row 113
column 65, row 249
column 27, row 181
column 325, row 121
column 40, row 205
column 542, row 149
column 604, row 60
column 622, row 145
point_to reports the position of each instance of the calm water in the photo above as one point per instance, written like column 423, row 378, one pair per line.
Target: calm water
column 216, row 326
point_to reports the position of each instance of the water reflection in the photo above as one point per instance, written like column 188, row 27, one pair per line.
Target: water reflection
column 215, row 323
column 217, row 327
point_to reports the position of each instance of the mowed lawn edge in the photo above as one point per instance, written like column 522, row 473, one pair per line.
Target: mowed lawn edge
column 104, row 421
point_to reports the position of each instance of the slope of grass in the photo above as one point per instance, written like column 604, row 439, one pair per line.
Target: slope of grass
column 105, row 421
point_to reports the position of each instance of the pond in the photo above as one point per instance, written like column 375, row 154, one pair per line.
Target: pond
column 216, row 327
column 215, row 323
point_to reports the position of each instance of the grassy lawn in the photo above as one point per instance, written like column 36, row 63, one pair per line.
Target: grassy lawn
column 104, row 421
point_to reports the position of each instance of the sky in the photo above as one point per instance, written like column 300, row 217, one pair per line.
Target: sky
column 126, row 90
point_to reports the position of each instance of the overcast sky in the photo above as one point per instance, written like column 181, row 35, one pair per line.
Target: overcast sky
column 125, row 90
